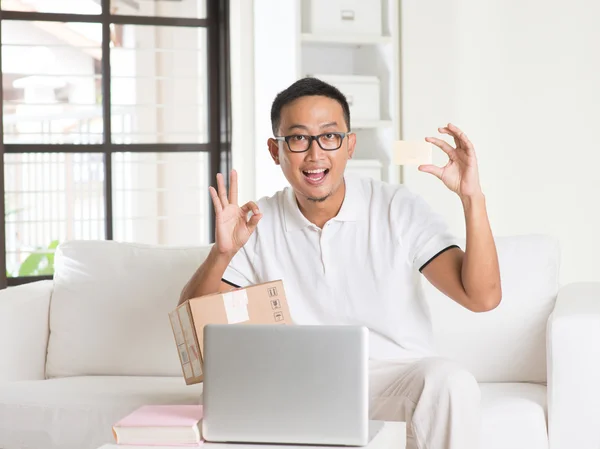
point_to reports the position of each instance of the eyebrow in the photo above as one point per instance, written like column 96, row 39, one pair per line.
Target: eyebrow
column 327, row 125
column 305, row 128
column 297, row 126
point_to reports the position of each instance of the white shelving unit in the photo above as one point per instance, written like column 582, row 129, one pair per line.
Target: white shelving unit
column 358, row 52
column 371, row 124
column 345, row 39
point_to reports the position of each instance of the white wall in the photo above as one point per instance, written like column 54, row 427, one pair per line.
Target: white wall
column 276, row 55
column 241, row 41
column 264, row 61
column 522, row 80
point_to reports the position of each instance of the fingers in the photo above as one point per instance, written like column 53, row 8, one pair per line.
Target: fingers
column 250, row 206
column 222, row 191
column 256, row 215
column 253, row 222
column 442, row 144
column 233, row 188
column 461, row 137
column 215, row 199
column 445, row 130
column 433, row 169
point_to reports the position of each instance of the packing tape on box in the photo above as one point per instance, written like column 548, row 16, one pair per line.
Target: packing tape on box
column 177, row 330
column 190, row 354
column 236, row 306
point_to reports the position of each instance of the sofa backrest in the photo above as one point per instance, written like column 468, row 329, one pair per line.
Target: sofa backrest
column 507, row 344
column 109, row 308
column 110, row 304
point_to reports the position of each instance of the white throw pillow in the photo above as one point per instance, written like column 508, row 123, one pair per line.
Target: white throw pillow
column 507, row 344
column 109, row 309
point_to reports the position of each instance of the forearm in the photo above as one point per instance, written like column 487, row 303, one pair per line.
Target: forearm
column 480, row 272
column 207, row 279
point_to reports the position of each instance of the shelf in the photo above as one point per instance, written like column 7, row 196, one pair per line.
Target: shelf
column 364, row 163
column 370, row 168
column 368, row 124
column 349, row 39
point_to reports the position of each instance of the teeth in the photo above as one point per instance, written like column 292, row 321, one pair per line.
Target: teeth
column 320, row 170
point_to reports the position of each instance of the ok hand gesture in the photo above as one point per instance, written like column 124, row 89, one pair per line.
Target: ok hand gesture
column 233, row 228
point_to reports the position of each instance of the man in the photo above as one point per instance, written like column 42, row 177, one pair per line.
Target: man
column 348, row 250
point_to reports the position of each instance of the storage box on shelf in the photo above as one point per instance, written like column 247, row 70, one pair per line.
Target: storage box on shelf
column 362, row 94
column 341, row 17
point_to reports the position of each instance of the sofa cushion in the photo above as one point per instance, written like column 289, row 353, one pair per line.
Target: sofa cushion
column 78, row 412
column 109, row 308
column 507, row 344
column 513, row 416
column 24, row 331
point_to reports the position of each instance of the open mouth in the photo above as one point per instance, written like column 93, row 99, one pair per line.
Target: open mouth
column 317, row 176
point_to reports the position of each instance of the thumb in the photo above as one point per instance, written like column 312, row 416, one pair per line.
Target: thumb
column 433, row 169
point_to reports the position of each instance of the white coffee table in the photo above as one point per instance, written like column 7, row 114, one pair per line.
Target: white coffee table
column 391, row 436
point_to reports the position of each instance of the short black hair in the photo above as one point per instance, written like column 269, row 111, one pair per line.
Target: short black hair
column 305, row 87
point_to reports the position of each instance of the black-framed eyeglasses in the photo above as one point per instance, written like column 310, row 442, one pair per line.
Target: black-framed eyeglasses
column 299, row 143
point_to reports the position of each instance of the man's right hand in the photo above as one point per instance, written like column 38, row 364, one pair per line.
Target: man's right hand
column 232, row 226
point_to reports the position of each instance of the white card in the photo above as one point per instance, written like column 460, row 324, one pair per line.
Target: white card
column 412, row 153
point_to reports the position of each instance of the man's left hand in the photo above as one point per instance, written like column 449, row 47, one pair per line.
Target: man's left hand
column 460, row 174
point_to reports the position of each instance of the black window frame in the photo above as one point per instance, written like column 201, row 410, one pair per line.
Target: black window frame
column 219, row 108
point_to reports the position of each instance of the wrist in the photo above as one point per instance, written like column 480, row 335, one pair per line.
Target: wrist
column 473, row 200
column 218, row 257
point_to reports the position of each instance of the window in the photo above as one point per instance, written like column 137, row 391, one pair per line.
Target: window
column 114, row 121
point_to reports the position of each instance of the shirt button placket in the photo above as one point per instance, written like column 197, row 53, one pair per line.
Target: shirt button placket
column 324, row 248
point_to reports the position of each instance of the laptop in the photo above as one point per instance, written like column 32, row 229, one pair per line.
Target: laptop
column 287, row 384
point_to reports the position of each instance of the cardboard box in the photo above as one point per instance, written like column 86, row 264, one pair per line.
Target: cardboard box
column 258, row 304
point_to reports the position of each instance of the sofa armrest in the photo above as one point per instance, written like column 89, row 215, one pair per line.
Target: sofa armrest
column 24, row 331
column 573, row 346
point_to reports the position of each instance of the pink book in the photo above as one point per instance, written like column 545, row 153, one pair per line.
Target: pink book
column 161, row 425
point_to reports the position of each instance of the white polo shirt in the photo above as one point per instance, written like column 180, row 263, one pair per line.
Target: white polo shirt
column 361, row 268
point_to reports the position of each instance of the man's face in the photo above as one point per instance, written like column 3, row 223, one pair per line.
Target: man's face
column 315, row 174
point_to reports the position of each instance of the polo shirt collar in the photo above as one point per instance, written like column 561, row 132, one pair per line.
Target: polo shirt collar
column 353, row 207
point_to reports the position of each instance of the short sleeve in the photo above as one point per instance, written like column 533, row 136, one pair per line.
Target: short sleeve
column 424, row 234
column 240, row 272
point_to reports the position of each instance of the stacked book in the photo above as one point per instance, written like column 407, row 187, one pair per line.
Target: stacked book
column 161, row 425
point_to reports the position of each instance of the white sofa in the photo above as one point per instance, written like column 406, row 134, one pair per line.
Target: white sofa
column 79, row 352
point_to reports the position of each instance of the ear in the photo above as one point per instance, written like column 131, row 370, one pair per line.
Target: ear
column 351, row 145
column 274, row 149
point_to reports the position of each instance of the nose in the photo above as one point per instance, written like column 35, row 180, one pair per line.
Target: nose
column 314, row 151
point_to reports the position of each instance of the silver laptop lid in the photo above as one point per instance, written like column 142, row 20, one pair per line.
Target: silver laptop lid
column 286, row 384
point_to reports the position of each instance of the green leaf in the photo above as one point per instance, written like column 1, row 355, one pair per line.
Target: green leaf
column 31, row 264
column 39, row 263
column 47, row 270
column 50, row 256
